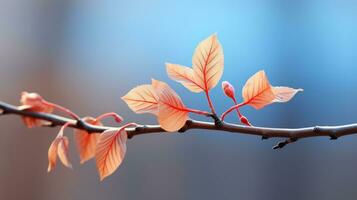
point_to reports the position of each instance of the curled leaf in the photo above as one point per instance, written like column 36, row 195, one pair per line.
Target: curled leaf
column 184, row 75
column 59, row 147
column 257, row 92
column 110, row 151
column 172, row 113
column 285, row 94
column 142, row 99
column 34, row 102
column 86, row 143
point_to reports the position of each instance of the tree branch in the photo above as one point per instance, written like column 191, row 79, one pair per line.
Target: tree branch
column 291, row 135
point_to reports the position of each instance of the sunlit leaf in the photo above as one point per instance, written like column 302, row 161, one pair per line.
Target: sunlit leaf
column 172, row 113
column 284, row 94
column 208, row 63
column 257, row 92
column 142, row 99
column 110, row 151
column 184, row 75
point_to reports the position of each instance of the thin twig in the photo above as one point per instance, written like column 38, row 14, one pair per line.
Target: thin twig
column 291, row 135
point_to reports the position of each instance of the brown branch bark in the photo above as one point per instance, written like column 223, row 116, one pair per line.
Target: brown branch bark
column 290, row 134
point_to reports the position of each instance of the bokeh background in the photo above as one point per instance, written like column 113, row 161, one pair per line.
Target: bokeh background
column 86, row 54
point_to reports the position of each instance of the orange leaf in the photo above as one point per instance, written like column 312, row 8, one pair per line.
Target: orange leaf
column 110, row 151
column 208, row 62
column 32, row 122
column 86, row 142
column 172, row 113
column 59, row 147
column 34, row 102
column 184, row 75
column 257, row 92
column 142, row 99
column 285, row 94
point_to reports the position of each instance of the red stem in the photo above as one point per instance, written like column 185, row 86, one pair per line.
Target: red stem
column 237, row 106
column 69, row 112
column 210, row 102
column 126, row 126
column 237, row 109
column 116, row 117
column 199, row 112
column 60, row 133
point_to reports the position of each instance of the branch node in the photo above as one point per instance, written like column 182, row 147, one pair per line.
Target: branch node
column 186, row 126
column 265, row 137
column 80, row 123
column 317, row 129
column 333, row 136
column 282, row 144
column 217, row 122
column 140, row 128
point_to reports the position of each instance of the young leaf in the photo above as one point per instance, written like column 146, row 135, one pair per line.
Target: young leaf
column 184, row 75
column 284, row 94
column 207, row 67
column 59, row 147
column 208, row 62
column 257, row 92
column 172, row 114
column 63, row 151
column 110, row 151
column 34, row 102
column 142, row 99
column 86, row 143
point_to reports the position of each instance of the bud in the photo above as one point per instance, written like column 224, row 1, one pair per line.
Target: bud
column 245, row 121
column 228, row 89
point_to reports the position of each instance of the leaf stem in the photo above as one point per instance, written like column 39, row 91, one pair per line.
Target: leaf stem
column 237, row 109
column 237, row 106
column 126, row 126
column 210, row 102
column 69, row 112
column 199, row 112
column 60, row 133
column 116, row 117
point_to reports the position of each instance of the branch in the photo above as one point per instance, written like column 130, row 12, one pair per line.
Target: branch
column 291, row 135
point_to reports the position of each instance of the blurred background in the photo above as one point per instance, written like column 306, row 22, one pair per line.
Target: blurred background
column 86, row 54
